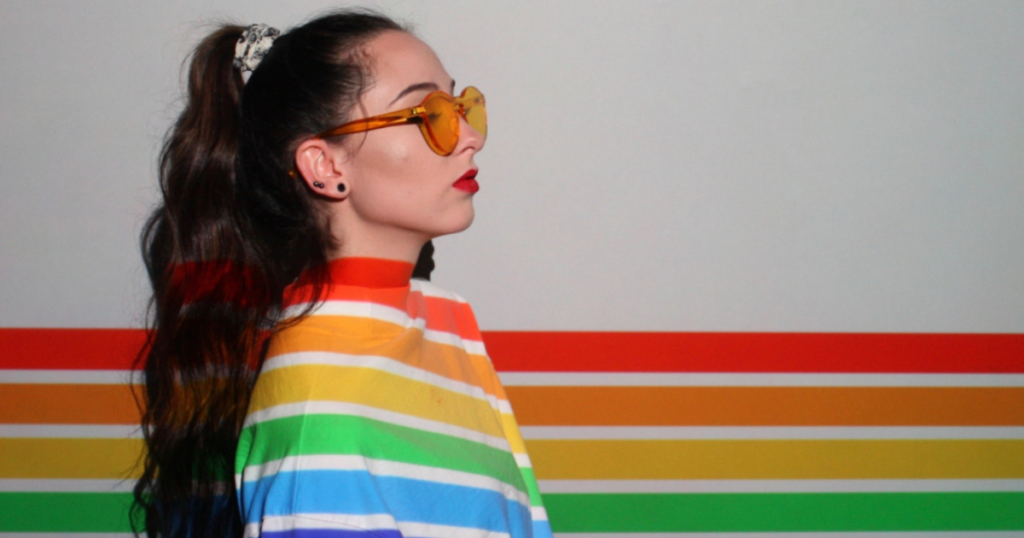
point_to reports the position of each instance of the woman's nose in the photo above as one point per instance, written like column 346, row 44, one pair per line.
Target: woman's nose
column 469, row 138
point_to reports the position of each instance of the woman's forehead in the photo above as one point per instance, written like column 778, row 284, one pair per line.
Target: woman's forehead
column 400, row 60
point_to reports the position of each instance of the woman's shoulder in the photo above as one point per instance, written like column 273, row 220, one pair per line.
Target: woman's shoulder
column 447, row 311
column 431, row 289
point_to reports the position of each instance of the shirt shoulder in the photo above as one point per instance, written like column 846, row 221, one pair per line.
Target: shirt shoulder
column 448, row 315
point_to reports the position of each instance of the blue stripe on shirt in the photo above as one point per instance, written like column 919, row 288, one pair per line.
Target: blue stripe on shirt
column 360, row 493
column 332, row 533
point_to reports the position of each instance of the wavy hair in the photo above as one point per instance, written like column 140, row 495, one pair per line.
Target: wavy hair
column 232, row 231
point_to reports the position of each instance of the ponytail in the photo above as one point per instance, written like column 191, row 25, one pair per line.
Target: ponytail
column 232, row 231
column 209, row 303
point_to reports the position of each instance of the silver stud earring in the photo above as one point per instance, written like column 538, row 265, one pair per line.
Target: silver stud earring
column 318, row 185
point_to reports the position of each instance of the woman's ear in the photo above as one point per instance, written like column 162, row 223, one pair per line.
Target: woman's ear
column 321, row 166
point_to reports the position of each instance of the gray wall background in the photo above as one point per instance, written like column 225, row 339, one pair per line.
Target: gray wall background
column 652, row 165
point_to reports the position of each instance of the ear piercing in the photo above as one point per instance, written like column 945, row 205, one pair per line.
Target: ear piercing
column 320, row 185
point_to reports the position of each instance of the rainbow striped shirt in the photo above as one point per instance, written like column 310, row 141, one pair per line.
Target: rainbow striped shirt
column 381, row 415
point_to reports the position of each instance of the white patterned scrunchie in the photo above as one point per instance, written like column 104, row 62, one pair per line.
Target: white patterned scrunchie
column 252, row 47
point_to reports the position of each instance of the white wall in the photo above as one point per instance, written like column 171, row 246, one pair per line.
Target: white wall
column 653, row 165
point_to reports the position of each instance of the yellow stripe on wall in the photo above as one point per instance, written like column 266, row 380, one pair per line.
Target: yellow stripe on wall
column 775, row 459
column 70, row 458
column 621, row 460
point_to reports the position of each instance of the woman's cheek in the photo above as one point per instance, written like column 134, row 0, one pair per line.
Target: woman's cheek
column 396, row 152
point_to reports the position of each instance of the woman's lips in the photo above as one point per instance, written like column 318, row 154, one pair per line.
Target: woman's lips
column 467, row 182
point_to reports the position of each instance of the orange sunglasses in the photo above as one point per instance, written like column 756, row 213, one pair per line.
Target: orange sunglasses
column 437, row 116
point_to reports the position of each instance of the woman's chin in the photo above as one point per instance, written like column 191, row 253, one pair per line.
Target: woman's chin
column 455, row 225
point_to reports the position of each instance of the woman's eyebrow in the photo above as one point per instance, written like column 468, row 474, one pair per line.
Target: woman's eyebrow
column 413, row 88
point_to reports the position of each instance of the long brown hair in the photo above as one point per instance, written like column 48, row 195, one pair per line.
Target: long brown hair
column 233, row 230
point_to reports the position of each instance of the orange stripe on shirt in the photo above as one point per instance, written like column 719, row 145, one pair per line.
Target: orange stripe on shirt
column 447, row 361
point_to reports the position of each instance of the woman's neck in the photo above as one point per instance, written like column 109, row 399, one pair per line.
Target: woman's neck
column 386, row 243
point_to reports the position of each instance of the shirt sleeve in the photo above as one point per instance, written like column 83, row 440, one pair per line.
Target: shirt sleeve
column 473, row 341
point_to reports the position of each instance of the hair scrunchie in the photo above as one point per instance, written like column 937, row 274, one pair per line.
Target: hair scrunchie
column 256, row 40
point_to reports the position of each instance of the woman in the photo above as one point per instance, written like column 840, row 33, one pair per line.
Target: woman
column 302, row 201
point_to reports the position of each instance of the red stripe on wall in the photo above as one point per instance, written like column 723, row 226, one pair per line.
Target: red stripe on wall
column 755, row 352
column 515, row 351
column 70, row 349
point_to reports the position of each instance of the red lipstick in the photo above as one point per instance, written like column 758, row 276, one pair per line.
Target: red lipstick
column 467, row 182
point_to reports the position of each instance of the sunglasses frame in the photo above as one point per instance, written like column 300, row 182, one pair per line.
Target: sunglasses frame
column 417, row 115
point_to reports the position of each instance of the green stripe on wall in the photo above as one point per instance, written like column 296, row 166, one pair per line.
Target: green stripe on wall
column 785, row 512
column 64, row 512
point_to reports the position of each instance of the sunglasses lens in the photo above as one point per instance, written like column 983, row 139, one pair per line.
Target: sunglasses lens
column 442, row 123
column 475, row 110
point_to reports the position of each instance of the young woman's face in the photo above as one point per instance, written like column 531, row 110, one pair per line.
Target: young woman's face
column 399, row 183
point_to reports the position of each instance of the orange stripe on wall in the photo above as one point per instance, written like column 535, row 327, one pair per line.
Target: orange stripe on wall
column 767, row 406
column 68, row 404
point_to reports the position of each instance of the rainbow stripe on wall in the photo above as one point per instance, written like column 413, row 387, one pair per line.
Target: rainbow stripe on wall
column 629, row 433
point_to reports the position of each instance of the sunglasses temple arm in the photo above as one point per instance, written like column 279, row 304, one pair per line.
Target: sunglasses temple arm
column 369, row 124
